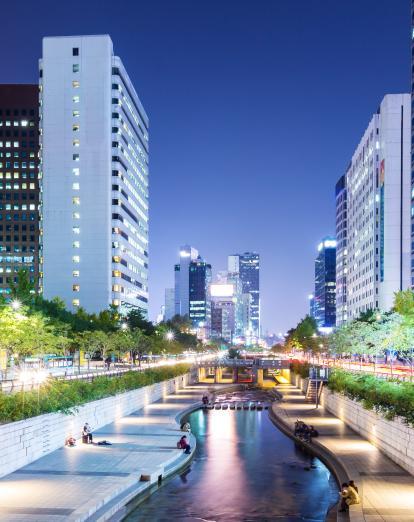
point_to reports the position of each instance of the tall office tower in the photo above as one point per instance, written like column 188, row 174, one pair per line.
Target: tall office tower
column 199, row 299
column 325, row 281
column 19, row 183
column 169, row 304
column 247, row 265
column 378, row 188
column 341, row 250
column 94, row 158
column 181, row 280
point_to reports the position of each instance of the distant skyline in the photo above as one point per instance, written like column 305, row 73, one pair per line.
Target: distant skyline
column 255, row 109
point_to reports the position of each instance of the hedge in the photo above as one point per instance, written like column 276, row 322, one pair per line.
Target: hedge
column 300, row 368
column 64, row 396
column 390, row 398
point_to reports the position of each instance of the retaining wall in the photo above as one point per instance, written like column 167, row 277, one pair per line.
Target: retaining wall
column 394, row 438
column 25, row 441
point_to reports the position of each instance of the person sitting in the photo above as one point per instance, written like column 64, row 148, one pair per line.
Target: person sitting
column 205, row 400
column 70, row 441
column 87, row 434
column 353, row 485
column 349, row 496
column 183, row 444
column 185, row 426
column 313, row 432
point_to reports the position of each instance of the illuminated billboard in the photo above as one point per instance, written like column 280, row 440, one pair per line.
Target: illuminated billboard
column 221, row 290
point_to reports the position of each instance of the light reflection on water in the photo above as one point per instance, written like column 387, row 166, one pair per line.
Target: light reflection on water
column 244, row 470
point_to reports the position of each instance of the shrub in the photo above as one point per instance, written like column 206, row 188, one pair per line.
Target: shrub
column 390, row 398
column 64, row 396
column 300, row 368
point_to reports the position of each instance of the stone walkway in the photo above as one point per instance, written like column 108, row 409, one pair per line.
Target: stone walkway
column 387, row 491
column 89, row 482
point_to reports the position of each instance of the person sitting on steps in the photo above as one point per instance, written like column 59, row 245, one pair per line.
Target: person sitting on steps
column 183, row 444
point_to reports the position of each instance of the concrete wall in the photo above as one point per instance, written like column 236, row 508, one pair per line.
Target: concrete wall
column 24, row 441
column 299, row 382
column 394, row 438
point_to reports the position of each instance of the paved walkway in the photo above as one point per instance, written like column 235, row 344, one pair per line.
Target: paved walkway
column 387, row 491
column 87, row 481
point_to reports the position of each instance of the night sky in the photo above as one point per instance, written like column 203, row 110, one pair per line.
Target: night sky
column 255, row 108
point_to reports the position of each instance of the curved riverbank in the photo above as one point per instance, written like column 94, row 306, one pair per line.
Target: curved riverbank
column 386, row 490
column 92, row 482
column 244, row 468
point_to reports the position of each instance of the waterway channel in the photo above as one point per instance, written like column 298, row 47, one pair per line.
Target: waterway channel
column 244, row 469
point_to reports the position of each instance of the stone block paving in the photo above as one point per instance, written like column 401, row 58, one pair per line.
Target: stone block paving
column 387, row 490
column 72, row 484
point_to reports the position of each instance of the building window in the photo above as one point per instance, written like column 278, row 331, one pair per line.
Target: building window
column 75, row 127
column 75, row 186
column 76, row 215
column 75, row 51
column 75, row 157
column 76, row 288
column 76, row 200
column 75, row 114
column 76, row 259
column 75, row 67
column 76, row 143
column 75, row 273
column 76, row 230
column 76, row 244
column 75, row 99
column 75, row 84
column 75, row 302
column 75, row 171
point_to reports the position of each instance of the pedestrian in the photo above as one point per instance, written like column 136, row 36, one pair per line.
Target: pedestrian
column 87, row 434
column 349, row 496
column 108, row 362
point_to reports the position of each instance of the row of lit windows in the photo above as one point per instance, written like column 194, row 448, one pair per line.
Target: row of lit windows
column 15, row 123
column 18, row 165
column 9, row 206
column 17, row 186
column 17, row 175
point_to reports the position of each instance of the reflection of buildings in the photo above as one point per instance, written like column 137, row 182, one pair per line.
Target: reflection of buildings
column 311, row 299
column 325, row 284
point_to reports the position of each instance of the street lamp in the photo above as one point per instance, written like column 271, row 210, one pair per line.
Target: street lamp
column 169, row 335
column 16, row 304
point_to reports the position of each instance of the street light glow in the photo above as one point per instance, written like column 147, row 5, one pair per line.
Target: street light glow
column 169, row 335
column 16, row 304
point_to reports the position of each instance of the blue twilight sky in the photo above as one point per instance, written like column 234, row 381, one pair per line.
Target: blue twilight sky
column 255, row 107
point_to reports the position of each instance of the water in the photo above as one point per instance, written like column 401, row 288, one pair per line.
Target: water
column 244, row 469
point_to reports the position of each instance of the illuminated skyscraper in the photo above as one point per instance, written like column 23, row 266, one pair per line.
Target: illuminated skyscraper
column 94, row 161
column 247, row 265
column 325, row 281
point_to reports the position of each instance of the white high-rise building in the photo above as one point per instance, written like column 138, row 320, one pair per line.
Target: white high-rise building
column 94, row 162
column 378, row 189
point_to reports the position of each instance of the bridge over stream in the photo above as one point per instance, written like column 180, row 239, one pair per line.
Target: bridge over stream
column 263, row 372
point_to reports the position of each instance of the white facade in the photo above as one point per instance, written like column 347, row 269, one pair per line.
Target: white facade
column 169, row 304
column 378, row 210
column 94, row 160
